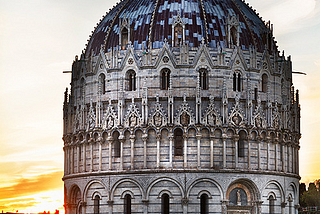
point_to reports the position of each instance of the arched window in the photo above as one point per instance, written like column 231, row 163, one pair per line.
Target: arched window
column 165, row 79
column 241, row 144
column 271, row 204
column 124, row 38
column 204, row 204
column 237, row 82
column 96, row 205
column 178, row 35
column 178, row 142
column 264, row 83
column 203, row 74
column 131, row 80
column 234, row 39
column 165, row 204
column 116, row 143
column 102, row 83
column 127, row 204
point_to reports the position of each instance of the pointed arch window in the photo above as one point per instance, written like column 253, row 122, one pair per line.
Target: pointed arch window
column 271, row 204
column 124, row 38
column 131, row 80
column 127, row 204
column 241, row 144
column 165, row 204
column 203, row 74
column 96, row 204
column 237, row 81
column 116, row 145
column 102, row 83
column 234, row 36
column 178, row 35
column 264, row 83
column 178, row 142
column 204, row 204
column 165, row 79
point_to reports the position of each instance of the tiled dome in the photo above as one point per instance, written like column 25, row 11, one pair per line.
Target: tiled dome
column 151, row 22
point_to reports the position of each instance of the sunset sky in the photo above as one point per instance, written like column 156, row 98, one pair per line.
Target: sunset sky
column 40, row 38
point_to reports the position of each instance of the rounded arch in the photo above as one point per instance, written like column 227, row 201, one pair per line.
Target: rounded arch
column 89, row 184
column 178, row 127
column 95, row 194
column 205, row 128
column 164, row 128
column 126, row 130
column 242, row 131
column 274, row 197
column 237, row 77
column 192, row 127
column 164, row 179
column 114, row 187
column 165, row 74
column 165, row 191
column 253, row 134
column 279, row 187
column 130, row 80
column 127, row 192
column 248, row 186
column 151, row 129
column 205, row 180
column 102, row 83
column 230, row 132
column 209, row 195
column 137, row 129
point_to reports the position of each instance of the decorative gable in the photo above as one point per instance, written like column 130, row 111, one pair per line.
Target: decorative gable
column 184, row 115
column 133, row 117
column 211, row 116
column 236, row 117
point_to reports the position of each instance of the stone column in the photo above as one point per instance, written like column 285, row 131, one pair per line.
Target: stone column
column 100, row 156
column 158, row 150
column 72, row 160
column 145, row 206
column 121, row 139
column 259, row 152
column 276, row 155
column 91, row 165
column 110, row 140
column 283, row 206
column 283, row 158
column 236, row 140
column 132, row 139
column 249, row 152
column 185, row 152
column 78, row 158
column 211, row 151
column 65, row 161
column 224, row 206
column 198, row 150
column 110, row 205
column 268, row 154
column 145, row 139
column 170, row 149
column 224, row 139
column 84, row 157
column 184, row 202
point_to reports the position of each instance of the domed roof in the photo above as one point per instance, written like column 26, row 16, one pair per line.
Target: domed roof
column 151, row 22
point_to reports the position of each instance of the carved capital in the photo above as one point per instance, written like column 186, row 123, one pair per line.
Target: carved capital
column 145, row 137
column 185, row 201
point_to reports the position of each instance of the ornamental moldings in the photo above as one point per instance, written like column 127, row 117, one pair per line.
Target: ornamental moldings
column 91, row 118
column 211, row 116
column 236, row 117
column 133, row 117
column 158, row 117
column 184, row 115
column 110, row 119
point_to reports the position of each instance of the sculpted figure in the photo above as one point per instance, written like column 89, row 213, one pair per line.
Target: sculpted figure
column 185, row 119
column 157, row 119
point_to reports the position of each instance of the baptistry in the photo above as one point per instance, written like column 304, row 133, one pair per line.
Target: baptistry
column 181, row 106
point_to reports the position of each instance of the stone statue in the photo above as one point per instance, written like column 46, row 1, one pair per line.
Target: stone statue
column 110, row 122
column 157, row 119
column 238, row 198
column 185, row 119
column 133, row 121
column 211, row 119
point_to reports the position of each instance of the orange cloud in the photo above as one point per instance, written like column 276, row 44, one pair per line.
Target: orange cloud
column 37, row 184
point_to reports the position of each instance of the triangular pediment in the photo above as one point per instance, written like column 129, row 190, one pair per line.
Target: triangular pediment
column 237, row 60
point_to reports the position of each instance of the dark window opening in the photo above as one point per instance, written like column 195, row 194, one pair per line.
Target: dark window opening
column 165, row 204
column 102, row 84
column 237, row 82
column 271, row 204
column 116, row 144
column 165, row 79
column 203, row 79
column 241, row 144
column 127, row 204
column 204, row 204
column 96, row 205
column 124, row 38
column 178, row 142
column 264, row 83
column 255, row 94
column 131, row 80
column 234, row 36
column 178, row 35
